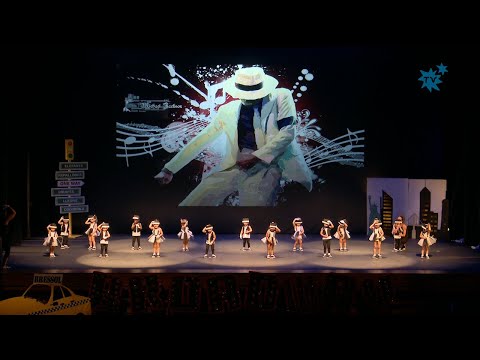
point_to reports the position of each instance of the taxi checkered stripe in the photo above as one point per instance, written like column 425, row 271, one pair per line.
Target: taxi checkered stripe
column 60, row 307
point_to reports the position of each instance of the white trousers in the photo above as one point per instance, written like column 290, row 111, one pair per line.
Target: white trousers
column 257, row 186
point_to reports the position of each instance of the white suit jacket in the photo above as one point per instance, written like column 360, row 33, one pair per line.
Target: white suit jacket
column 272, row 144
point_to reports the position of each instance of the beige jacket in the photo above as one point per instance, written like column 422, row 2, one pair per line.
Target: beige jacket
column 273, row 144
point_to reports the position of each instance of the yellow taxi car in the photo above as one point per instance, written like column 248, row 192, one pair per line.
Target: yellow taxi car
column 47, row 296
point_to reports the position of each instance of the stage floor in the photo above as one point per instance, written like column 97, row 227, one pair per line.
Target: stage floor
column 445, row 257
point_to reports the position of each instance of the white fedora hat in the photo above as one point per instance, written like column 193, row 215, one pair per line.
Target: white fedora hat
column 250, row 84
column 104, row 225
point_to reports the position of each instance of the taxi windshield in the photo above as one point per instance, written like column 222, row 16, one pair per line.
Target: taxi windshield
column 39, row 292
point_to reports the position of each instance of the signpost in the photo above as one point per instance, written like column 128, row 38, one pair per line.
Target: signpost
column 65, row 191
column 79, row 165
column 78, row 200
column 69, row 182
column 68, row 175
column 73, row 209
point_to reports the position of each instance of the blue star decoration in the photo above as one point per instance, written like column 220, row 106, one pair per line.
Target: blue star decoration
column 442, row 68
column 430, row 79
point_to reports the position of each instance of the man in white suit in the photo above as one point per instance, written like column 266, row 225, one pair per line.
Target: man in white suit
column 260, row 145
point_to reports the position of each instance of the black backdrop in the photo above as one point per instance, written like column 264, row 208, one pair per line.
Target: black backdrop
column 70, row 92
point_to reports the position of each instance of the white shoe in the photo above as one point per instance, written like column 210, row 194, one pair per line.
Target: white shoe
column 62, row 247
column 301, row 249
column 186, row 249
column 422, row 257
column 67, row 247
column 294, row 249
column 52, row 255
column 213, row 255
column 428, row 257
column 379, row 256
column 106, row 255
column 268, row 256
column 89, row 248
column 153, row 255
column 272, row 256
column 100, row 255
column 139, row 248
column 205, row 255
column 244, row 249
column 374, row 256
column 324, row 255
column 133, row 247
column 329, row 255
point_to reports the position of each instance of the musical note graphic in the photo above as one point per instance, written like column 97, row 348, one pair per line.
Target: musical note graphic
column 128, row 141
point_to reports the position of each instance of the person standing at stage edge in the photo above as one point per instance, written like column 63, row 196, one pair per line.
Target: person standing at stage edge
column 260, row 146
column 8, row 214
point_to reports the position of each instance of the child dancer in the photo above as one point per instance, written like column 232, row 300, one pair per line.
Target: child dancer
column 156, row 238
column 377, row 237
column 210, row 241
column 426, row 240
column 91, row 231
column 271, row 240
column 136, row 232
column 64, row 232
column 403, row 234
column 185, row 234
column 299, row 234
column 342, row 234
column 245, row 233
column 399, row 232
column 104, row 236
column 326, row 233
column 51, row 239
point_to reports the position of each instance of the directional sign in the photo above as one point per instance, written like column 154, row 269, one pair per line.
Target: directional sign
column 68, row 175
column 65, row 191
column 80, row 200
column 70, row 183
column 80, row 165
column 74, row 209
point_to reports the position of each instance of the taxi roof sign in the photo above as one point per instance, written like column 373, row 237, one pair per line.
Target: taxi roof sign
column 47, row 278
